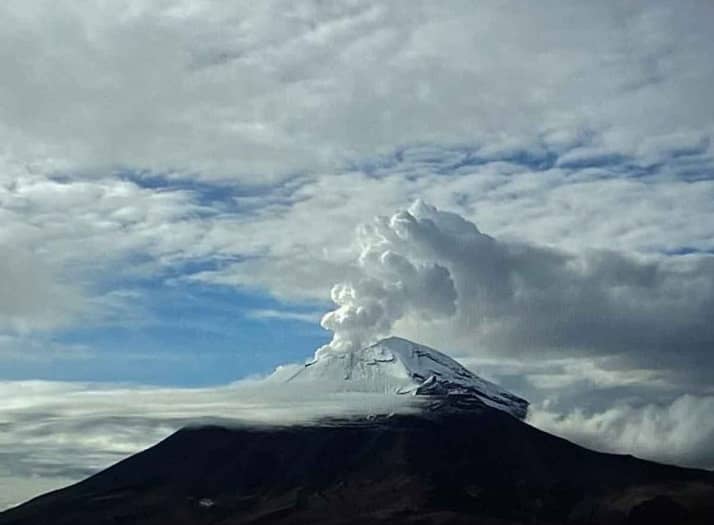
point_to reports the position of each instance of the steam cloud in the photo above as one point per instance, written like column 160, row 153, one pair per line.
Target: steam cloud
column 55, row 433
column 431, row 274
column 396, row 280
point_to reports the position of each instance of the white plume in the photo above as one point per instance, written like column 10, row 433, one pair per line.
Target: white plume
column 394, row 281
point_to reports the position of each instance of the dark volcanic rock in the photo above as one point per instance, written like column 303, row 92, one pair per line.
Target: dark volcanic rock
column 448, row 466
column 660, row 509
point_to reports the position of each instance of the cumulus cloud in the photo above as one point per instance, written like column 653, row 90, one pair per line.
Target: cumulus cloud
column 680, row 432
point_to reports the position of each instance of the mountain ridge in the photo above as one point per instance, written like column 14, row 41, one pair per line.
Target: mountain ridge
column 448, row 466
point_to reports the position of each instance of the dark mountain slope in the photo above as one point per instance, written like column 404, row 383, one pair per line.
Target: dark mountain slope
column 446, row 466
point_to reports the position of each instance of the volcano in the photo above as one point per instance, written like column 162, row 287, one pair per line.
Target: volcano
column 402, row 367
column 467, row 457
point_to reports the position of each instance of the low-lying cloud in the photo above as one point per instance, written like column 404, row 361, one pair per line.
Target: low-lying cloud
column 54, row 433
column 680, row 432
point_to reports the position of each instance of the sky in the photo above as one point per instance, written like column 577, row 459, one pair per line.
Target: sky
column 185, row 187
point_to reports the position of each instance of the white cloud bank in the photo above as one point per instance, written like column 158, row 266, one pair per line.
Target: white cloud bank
column 680, row 432
column 54, row 433
column 57, row 433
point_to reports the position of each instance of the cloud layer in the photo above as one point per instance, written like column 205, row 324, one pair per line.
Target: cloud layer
column 263, row 91
column 56, row 432
column 680, row 432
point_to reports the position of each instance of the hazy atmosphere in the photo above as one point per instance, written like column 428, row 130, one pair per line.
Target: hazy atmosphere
column 187, row 187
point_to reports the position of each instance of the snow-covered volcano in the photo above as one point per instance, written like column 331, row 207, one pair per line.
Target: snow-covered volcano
column 399, row 366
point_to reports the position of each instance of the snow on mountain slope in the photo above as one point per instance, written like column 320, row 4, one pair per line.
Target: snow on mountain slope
column 398, row 366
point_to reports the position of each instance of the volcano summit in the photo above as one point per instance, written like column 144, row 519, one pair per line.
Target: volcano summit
column 402, row 367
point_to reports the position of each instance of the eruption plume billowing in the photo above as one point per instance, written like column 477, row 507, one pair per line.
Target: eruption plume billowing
column 433, row 271
column 395, row 281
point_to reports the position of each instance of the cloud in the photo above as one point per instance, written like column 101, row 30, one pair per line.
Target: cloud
column 192, row 143
column 295, row 242
column 268, row 314
column 303, row 246
column 390, row 287
column 260, row 92
column 246, row 141
column 680, row 432
column 54, row 433
column 557, row 374
column 32, row 297
column 57, row 433
column 433, row 276
column 36, row 348
column 70, row 246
